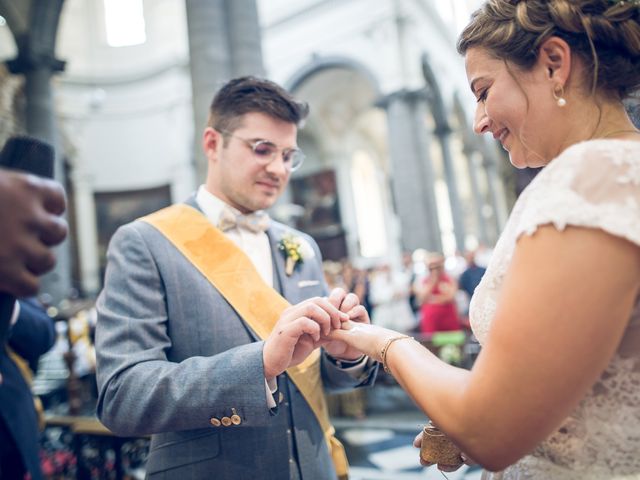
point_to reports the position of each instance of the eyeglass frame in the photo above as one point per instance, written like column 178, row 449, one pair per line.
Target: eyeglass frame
column 253, row 144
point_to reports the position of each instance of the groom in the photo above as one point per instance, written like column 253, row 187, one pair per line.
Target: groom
column 193, row 339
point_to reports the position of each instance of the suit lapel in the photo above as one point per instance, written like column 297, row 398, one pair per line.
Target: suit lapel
column 191, row 201
column 279, row 277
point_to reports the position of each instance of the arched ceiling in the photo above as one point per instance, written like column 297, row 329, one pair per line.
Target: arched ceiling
column 337, row 97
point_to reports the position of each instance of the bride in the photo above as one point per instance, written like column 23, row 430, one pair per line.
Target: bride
column 555, row 392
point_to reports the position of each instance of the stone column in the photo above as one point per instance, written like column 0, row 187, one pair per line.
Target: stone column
column 209, row 65
column 224, row 42
column 37, row 62
column 473, row 162
column 245, row 38
column 443, row 132
column 413, row 178
column 496, row 193
column 40, row 119
column 87, row 241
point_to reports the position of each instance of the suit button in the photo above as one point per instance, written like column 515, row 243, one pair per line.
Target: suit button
column 235, row 418
column 215, row 422
column 226, row 421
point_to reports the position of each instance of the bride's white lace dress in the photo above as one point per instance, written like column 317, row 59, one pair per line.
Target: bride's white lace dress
column 593, row 184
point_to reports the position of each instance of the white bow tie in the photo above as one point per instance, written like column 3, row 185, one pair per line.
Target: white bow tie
column 255, row 222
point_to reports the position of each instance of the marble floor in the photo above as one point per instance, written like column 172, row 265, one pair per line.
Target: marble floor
column 377, row 453
column 380, row 446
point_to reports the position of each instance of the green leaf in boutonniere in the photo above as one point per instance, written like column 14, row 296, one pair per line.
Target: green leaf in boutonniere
column 295, row 251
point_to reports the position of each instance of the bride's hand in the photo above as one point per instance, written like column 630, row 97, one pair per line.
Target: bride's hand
column 364, row 337
column 345, row 302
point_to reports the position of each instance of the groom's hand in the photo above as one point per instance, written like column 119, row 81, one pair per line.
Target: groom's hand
column 348, row 303
column 298, row 332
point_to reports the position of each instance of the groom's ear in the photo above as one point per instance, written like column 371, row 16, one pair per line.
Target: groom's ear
column 212, row 140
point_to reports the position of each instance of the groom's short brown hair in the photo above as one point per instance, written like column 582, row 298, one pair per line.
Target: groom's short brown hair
column 252, row 94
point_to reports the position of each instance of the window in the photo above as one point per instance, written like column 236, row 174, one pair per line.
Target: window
column 369, row 206
column 124, row 21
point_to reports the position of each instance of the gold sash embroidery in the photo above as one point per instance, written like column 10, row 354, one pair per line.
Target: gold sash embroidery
column 233, row 274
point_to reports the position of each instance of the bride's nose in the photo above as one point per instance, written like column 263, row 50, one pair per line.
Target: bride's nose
column 481, row 120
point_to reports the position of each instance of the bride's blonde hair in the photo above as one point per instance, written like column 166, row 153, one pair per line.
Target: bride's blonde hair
column 605, row 34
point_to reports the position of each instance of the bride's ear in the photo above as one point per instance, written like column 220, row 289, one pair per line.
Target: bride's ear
column 555, row 58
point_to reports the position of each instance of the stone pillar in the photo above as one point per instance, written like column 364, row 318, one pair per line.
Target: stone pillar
column 473, row 163
column 209, row 64
column 496, row 193
column 224, row 42
column 87, row 241
column 413, row 178
column 245, row 38
column 37, row 62
column 40, row 119
column 443, row 132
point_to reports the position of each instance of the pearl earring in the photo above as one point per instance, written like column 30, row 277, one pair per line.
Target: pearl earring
column 558, row 95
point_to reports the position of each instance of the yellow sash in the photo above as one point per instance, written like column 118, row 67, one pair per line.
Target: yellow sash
column 233, row 274
column 27, row 374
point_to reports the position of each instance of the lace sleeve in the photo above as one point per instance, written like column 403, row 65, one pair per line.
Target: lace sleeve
column 593, row 184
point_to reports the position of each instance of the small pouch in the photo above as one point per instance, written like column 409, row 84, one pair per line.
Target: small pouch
column 438, row 448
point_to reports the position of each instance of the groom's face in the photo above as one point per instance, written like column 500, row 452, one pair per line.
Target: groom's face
column 236, row 175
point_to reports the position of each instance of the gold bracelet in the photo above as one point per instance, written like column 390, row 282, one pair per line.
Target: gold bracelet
column 385, row 349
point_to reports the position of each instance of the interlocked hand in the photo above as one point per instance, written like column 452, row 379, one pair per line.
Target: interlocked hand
column 298, row 332
column 348, row 303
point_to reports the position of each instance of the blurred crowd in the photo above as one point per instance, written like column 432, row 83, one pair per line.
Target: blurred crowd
column 426, row 294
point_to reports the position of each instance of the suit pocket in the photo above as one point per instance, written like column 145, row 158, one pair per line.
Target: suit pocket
column 305, row 289
column 177, row 449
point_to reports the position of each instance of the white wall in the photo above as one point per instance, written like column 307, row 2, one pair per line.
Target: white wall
column 126, row 112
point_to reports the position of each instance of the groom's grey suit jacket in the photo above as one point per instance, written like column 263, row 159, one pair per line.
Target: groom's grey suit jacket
column 176, row 361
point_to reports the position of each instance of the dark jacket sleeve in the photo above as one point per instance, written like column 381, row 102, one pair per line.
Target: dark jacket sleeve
column 33, row 334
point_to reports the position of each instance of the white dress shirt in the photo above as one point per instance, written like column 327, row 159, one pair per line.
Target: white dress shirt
column 256, row 247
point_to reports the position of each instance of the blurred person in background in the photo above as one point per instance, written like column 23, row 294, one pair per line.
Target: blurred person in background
column 409, row 271
column 436, row 294
column 356, row 281
column 343, row 275
column 31, row 336
column 31, row 211
column 470, row 278
column 389, row 296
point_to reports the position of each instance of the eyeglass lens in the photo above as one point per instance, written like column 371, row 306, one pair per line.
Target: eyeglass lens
column 266, row 152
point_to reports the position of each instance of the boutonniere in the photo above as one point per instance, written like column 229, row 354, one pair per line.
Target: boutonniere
column 295, row 251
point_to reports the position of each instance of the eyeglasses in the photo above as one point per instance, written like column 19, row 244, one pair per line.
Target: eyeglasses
column 266, row 152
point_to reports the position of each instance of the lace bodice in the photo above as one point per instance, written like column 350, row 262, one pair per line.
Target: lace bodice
column 592, row 184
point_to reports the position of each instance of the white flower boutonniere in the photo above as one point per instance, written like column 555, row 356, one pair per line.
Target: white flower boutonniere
column 295, row 250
